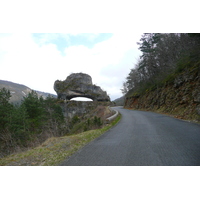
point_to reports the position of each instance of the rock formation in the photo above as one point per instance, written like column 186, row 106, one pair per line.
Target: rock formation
column 79, row 85
column 179, row 96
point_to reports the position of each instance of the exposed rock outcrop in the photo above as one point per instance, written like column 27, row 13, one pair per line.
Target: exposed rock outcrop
column 81, row 108
column 80, row 114
column 79, row 85
column 180, row 97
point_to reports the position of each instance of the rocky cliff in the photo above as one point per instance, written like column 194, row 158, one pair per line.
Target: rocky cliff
column 79, row 85
column 82, row 108
column 179, row 96
column 80, row 115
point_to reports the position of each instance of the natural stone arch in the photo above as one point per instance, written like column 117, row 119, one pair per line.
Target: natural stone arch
column 79, row 85
column 81, row 99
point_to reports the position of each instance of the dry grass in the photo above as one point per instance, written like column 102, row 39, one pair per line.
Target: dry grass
column 54, row 150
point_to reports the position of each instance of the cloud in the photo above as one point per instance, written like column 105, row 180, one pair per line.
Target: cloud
column 108, row 62
column 37, row 62
column 46, row 38
column 28, row 63
column 88, row 36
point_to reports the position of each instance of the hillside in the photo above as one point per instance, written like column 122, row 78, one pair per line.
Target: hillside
column 166, row 77
column 178, row 96
column 34, row 120
column 18, row 91
column 119, row 101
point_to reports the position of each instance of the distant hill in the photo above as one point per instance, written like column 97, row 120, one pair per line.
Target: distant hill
column 119, row 101
column 19, row 91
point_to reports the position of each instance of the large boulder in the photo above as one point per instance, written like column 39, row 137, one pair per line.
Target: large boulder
column 79, row 85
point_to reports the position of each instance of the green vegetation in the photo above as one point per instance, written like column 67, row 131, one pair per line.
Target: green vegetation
column 166, row 77
column 163, row 57
column 35, row 121
column 78, row 125
column 56, row 149
column 28, row 124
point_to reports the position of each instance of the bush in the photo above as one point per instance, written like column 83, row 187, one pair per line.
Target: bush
column 97, row 121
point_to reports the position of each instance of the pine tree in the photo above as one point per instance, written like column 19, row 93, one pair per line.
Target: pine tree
column 5, row 108
column 35, row 111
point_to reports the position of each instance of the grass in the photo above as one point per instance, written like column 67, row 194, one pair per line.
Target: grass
column 56, row 149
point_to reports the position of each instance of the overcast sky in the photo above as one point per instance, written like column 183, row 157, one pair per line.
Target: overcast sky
column 38, row 60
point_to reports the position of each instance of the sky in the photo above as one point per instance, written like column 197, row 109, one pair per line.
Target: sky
column 37, row 60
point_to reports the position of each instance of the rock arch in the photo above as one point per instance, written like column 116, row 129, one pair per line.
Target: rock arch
column 79, row 85
column 81, row 99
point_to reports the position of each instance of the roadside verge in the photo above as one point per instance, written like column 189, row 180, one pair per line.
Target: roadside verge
column 56, row 149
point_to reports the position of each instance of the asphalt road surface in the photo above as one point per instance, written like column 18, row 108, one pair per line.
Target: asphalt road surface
column 142, row 139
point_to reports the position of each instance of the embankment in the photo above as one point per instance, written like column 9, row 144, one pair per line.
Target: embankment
column 179, row 95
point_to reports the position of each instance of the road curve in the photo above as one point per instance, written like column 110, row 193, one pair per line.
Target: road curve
column 142, row 139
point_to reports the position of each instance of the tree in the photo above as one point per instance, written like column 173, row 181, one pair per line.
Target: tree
column 4, row 96
column 30, row 123
column 54, row 116
column 19, row 126
column 124, row 88
column 35, row 111
column 148, row 44
column 5, row 108
column 5, row 119
column 162, row 54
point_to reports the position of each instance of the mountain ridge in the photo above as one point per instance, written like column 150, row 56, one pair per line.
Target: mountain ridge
column 119, row 101
column 18, row 91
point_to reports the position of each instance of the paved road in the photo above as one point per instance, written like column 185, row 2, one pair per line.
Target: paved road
column 143, row 139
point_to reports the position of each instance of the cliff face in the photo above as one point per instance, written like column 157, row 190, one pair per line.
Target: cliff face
column 79, row 114
column 179, row 97
column 81, row 108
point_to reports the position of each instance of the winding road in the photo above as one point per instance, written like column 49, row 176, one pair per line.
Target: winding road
column 142, row 139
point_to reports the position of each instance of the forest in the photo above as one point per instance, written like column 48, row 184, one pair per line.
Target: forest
column 163, row 54
column 34, row 120
column 29, row 123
